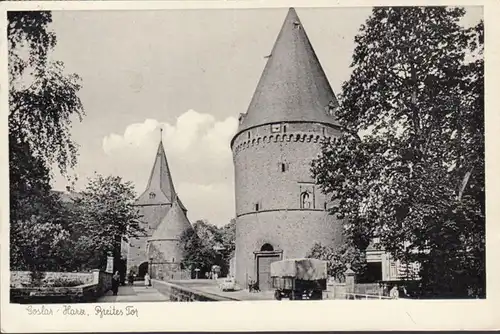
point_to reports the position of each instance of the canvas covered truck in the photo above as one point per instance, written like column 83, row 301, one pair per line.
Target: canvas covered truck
column 298, row 279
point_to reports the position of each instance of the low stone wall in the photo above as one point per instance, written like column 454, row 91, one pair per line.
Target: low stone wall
column 97, row 284
column 20, row 279
column 339, row 290
column 335, row 290
column 369, row 289
column 177, row 293
column 105, row 281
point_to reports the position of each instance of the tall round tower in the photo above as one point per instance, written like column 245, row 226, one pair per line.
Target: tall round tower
column 280, row 212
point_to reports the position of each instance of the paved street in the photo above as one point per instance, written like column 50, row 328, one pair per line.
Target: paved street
column 136, row 293
column 140, row 293
column 210, row 286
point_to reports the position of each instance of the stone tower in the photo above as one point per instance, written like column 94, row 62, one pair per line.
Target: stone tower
column 164, row 245
column 154, row 205
column 280, row 212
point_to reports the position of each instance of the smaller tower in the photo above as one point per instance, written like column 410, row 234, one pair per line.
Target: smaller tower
column 153, row 204
column 164, row 246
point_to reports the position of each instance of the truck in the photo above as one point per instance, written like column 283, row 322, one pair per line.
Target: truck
column 298, row 279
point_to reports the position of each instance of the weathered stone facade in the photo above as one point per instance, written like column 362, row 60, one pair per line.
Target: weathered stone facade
column 136, row 249
column 280, row 211
column 24, row 291
column 20, row 279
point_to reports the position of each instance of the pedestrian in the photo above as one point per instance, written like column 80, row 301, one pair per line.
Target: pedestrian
column 394, row 293
column 147, row 280
column 115, row 282
column 131, row 278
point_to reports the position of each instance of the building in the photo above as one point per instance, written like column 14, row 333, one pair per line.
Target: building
column 280, row 212
column 164, row 219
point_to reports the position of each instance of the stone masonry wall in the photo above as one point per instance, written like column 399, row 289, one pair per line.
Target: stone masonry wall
column 23, row 278
column 152, row 216
column 293, row 232
column 259, row 178
column 281, row 220
column 94, row 285
column 178, row 293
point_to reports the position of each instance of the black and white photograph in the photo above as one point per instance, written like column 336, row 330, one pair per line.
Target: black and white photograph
column 286, row 154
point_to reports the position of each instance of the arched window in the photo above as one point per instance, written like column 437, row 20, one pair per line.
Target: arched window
column 267, row 248
column 305, row 200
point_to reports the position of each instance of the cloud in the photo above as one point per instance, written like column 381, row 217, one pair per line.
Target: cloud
column 198, row 153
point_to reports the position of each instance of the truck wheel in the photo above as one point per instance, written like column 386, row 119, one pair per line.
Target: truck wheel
column 277, row 295
column 317, row 295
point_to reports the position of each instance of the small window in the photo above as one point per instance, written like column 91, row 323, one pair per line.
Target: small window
column 248, row 134
column 267, row 248
column 173, row 259
column 323, row 129
column 152, row 195
column 325, row 205
column 284, row 128
column 256, row 206
column 306, row 200
column 275, row 128
column 283, row 167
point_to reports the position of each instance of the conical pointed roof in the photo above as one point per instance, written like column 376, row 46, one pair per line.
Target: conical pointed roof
column 160, row 188
column 173, row 225
column 293, row 86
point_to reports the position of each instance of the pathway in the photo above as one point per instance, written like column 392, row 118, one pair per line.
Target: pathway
column 136, row 293
column 210, row 286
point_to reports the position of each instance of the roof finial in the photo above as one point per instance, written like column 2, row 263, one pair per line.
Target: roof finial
column 161, row 133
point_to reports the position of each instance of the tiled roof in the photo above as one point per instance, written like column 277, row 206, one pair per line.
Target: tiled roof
column 293, row 86
column 173, row 225
column 160, row 188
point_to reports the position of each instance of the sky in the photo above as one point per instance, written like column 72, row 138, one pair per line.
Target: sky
column 191, row 72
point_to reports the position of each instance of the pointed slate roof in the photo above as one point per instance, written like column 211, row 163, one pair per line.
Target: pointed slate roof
column 293, row 86
column 160, row 188
column 173, row 225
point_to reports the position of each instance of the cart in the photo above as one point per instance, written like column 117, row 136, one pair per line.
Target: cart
column 298, row 279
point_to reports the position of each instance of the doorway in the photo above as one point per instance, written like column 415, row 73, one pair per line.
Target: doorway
column 263, row 260
column 143, row 269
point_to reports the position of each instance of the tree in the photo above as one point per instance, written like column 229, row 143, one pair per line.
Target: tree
column 197, row 244
column 42, row 102
column 409, row 168
column 207, row 245
column 228, row 233
column 42, row 98
column 339, row 258
column 104, row 214
column 41, row 237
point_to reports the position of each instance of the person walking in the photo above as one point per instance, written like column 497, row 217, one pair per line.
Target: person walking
column 115, row 282
column 394, row 293
column 147, row 280
column 131, row 278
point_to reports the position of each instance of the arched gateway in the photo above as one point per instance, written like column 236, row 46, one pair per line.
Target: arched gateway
column 263, row 259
